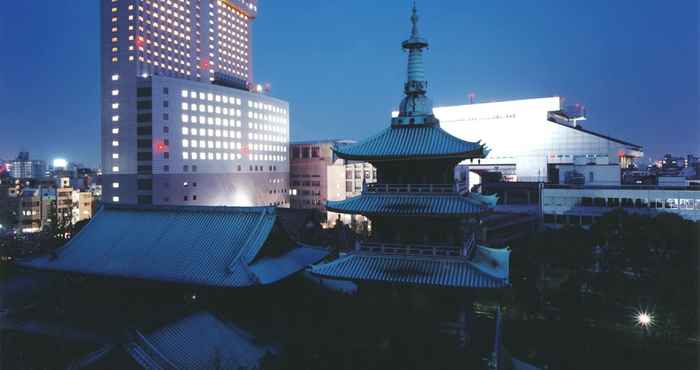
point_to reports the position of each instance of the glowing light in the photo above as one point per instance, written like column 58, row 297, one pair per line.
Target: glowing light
column 140, row 42
column 60, row 163
column 161, row 147
column 645, row 319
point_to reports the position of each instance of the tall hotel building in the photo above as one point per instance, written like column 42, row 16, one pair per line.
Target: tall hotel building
column 180, row 124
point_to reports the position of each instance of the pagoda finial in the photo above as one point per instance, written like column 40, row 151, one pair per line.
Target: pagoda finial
column 414, row 20
column 416, row 107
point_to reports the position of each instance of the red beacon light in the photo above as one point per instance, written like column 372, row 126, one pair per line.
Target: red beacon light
column 161, row 147
column 140, row 42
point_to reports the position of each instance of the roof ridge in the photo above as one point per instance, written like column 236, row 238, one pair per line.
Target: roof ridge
column 190, row 209
column 254, row 233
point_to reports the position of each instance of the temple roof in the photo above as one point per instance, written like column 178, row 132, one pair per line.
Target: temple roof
column 200, row 341
column 408, row 205
column 411, row 142
column 213, row 246
column 410, row 270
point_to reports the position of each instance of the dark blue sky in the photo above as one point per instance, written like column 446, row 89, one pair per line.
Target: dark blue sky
column 633, row 63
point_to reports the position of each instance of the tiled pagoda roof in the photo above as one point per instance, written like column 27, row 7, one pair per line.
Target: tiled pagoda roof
column 408, row 205
column 409, row 270
column 411, row 142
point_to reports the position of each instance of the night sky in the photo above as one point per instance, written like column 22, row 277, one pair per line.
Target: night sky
column 634, row 64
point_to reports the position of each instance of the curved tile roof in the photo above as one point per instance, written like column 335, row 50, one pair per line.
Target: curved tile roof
column 413, row 141
column 200, row 341
column 211, row 246
column 455, row 273
column 407, row 205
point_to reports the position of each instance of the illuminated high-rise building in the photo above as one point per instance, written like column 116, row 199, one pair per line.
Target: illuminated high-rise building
column 182, row 120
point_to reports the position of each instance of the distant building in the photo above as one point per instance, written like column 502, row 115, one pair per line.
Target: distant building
column 35, row 209
column 573, row 205
column 317, row 174
column 530, row 138
column 9, row 206
column 25, row 168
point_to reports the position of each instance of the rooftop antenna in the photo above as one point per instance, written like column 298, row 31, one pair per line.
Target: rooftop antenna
column 472, row 96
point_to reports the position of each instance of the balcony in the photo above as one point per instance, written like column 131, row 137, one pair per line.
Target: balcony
column 448, row 189
column 416, row 249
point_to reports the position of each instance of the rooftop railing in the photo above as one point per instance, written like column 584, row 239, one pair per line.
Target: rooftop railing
column 622, row 187
column 424, row 250
column 410, row 188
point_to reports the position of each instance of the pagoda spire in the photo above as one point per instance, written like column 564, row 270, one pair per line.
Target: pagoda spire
column 416, row 104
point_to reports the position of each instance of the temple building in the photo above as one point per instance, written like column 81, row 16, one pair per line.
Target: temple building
column 424, row 222
column 221, row 247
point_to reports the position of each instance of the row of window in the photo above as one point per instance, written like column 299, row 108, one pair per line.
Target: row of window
column 666, row 203
column 231, row 156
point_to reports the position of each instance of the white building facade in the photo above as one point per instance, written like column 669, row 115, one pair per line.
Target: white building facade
column 530, row 138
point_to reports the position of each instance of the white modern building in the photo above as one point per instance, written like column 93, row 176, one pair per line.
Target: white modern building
column 181, row 121
column 529, row 139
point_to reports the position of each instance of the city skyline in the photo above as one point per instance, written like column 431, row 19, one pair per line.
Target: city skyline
column 635, row 80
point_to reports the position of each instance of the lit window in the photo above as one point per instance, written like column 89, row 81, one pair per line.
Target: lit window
column 185, row 118
column 194, row 155
column 115, row 185
column 185, row 106
column 185, row 143
column 115, row 155
column 115, row 105
column 115, row 92
column 185, row 131
column 115, row 118
column 115, row 143
column 185, row 155
column 115, row 131
column 184, row 93
column 115, row 77
column 115, row 199
column 115, row 169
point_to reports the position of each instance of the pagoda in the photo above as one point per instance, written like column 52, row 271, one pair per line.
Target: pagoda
column 424, row 223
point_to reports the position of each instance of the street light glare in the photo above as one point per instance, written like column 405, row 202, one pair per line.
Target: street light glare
column 644, row 319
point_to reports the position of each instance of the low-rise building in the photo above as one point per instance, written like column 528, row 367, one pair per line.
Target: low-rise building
column 574, row 205
column 318, row 175
column 35, row 209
